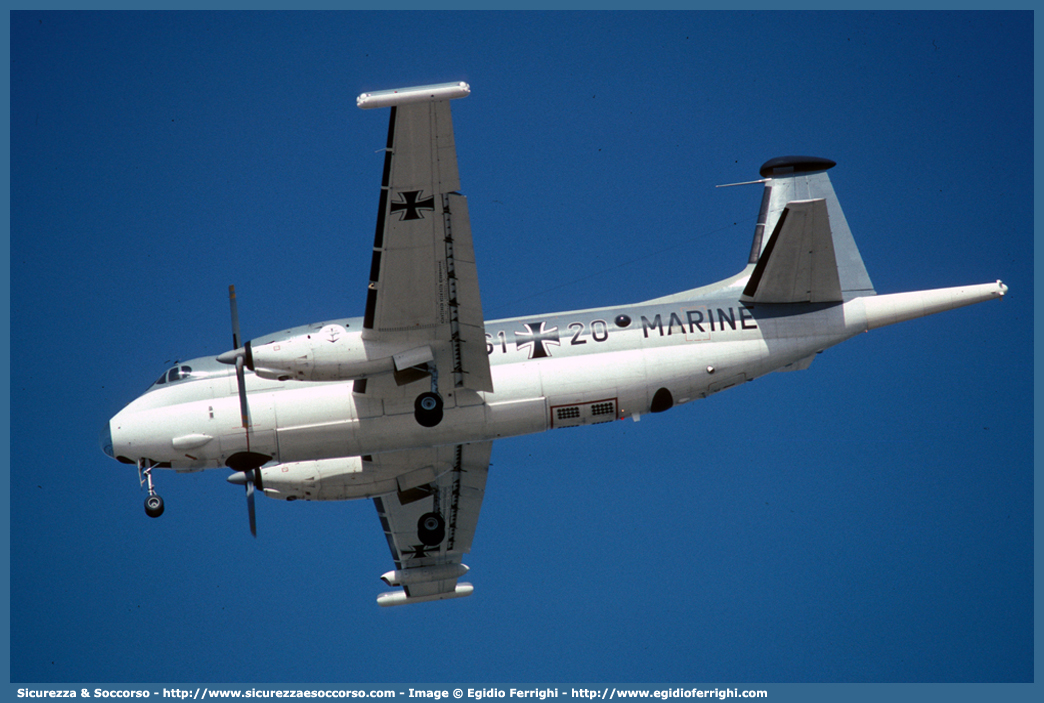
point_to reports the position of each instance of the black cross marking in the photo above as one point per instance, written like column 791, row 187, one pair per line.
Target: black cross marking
column 410, row 206
column 537, row 339
column 419, row 551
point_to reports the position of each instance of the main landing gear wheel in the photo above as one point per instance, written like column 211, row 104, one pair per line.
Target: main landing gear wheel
column 428, row 409
column 154, row 505
column 431, row 529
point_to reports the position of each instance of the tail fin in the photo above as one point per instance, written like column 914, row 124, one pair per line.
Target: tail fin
column 803, row 250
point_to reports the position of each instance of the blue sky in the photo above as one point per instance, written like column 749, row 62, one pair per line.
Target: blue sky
column 869, row 519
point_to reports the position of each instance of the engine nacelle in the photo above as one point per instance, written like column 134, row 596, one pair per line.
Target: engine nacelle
column 327, row 354
column 345, row 478
column 331, row 353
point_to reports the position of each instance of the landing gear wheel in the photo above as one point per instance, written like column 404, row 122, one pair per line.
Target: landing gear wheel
column 431, row 529
column 153, row 506
column 428, row 409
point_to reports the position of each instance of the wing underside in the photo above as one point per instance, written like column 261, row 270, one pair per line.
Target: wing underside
column 423, row 298
column 423, row 288
column 430, row 521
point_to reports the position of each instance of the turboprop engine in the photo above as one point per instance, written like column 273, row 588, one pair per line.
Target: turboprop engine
column 344, row 478
column 330, row 353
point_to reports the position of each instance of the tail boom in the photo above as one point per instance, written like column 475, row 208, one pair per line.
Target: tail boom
column 881, row 310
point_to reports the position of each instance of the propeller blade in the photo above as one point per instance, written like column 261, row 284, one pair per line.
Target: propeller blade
column 244, row 410
column 247, row 468
column 235, row 316
column 250, row 507
column 241, row 358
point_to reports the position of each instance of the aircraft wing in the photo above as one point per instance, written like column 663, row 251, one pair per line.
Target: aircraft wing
column 430, row 521
column 423, row 282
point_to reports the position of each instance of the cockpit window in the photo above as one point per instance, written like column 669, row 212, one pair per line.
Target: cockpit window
column 178, row 373
column 199, row 369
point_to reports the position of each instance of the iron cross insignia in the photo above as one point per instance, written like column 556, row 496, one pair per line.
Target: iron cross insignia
column 418, row 551
column 537, row 338
column 410, row 206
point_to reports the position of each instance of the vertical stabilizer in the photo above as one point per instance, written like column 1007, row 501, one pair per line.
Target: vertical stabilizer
column 798, row 180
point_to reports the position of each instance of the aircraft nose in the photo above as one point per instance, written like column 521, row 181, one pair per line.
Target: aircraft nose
column 105, row 440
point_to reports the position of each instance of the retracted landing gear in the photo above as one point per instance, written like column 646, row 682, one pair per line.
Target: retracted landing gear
column 431, row 529
column 153, row 503
column 427, row 409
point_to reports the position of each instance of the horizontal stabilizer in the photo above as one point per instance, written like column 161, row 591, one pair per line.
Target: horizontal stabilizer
column 798, row 264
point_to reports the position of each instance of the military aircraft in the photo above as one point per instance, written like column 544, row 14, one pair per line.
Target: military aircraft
column 402, row 405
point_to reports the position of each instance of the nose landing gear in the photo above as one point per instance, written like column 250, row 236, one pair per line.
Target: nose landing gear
column 154, row 506
column 153, row 503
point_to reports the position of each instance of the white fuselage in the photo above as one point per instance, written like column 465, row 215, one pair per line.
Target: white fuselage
column 559, row 370
column 329, row 442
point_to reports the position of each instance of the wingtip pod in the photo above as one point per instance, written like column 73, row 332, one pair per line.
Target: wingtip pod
column 424, row 574
column 391, row 598
column 416, row 94
column 884, row 310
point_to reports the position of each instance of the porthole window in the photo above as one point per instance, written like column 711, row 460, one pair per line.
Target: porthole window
column 622, row 321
